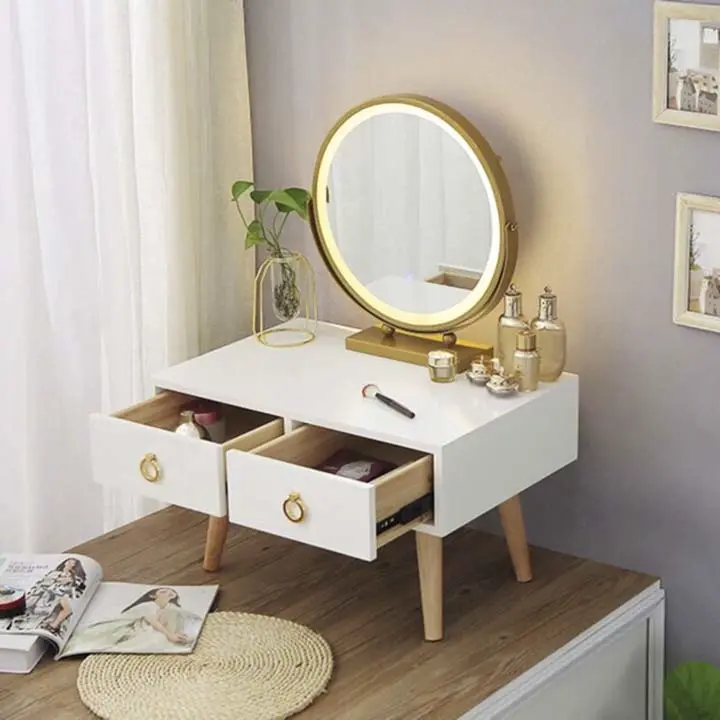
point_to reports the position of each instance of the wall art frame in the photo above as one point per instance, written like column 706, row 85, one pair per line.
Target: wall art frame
column 696, row 290
column 686, row 65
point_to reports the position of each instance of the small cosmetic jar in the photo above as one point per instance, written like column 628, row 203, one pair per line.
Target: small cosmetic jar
column 442, row 365
column 12, row 602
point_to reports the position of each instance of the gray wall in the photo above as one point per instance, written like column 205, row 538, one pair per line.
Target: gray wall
column 562, row 90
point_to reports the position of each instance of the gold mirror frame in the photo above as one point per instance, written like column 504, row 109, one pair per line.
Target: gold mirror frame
column 503, row 249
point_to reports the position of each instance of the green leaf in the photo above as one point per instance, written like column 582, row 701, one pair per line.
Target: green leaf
column 255, row 235
column 260, row 196
column 286, row 203
column 240, row 187
column 251, row 240
column 300, row 200
column 692, row 692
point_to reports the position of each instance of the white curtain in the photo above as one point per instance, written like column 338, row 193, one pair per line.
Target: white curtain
column 122, row 126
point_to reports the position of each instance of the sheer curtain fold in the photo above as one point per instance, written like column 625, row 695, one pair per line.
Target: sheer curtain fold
column 122, row 126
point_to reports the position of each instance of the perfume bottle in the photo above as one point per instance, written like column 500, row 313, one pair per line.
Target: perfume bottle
column 510, row 323
column 527, row 361
column 190, row 428
column 551, row 337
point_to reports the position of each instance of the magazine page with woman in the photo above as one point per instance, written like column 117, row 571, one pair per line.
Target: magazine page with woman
column 57, row 590
column 130, row 618
column 68, row 604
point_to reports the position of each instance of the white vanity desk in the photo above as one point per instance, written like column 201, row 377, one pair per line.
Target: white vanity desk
column 471, row 450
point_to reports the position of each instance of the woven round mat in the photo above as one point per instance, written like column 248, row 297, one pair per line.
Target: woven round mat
column 243, row 666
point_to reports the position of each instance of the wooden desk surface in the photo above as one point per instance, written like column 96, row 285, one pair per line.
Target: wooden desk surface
column 496, row 629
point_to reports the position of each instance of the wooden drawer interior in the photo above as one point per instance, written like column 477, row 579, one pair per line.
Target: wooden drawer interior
column 401, row 488
column 244, row 429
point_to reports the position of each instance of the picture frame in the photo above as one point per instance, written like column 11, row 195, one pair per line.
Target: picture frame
column 686, row 65
column 696, row 289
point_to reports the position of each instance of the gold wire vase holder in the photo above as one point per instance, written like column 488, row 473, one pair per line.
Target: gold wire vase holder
column 288, row 282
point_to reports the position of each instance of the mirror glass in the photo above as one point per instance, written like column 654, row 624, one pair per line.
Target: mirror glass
column 411, row 209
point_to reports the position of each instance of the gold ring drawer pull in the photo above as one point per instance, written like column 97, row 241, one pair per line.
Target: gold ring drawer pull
column 150, row 468
column 293, row 508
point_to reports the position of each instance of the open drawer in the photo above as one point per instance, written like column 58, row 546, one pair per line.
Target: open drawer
column 136, row 450
column 277, row 488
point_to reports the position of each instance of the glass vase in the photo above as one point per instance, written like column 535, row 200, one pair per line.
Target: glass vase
column 284, row 289
column 286, row 285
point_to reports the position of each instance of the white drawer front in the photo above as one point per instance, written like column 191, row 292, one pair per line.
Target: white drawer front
column 192, row 472
column 340, row 513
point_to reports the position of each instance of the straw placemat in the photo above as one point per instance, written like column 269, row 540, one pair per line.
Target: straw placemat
column 244, row 666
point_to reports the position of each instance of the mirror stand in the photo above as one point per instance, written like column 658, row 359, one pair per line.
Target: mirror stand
column 385, row 341
column 412, row 215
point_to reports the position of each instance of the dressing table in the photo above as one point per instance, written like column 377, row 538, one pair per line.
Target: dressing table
column 287, row 409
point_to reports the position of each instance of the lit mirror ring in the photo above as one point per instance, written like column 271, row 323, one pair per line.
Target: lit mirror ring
column 503, row 242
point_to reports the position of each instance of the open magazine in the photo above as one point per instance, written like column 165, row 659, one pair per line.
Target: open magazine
column 69, row 605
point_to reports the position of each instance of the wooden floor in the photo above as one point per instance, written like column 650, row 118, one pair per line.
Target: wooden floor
column 496, row 629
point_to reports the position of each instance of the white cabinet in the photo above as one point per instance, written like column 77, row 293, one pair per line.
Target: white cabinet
column 608, row 684
column 464, row 453
column 613, row 671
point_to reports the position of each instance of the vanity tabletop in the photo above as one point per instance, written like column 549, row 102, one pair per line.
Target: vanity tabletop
column 496, row 629
column 320, row 383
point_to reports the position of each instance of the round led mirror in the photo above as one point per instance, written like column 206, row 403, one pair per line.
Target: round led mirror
column 412, row 214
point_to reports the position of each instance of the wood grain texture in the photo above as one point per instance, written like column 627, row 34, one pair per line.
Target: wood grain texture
column 162, row 410
column 310, row 445
column 398, row 488
column 495, row 628
column 430, row 573
column 247, row 439
column 215, row 542
column 306, row 446
column 513, row 525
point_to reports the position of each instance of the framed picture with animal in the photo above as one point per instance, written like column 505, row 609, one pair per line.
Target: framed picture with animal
column 696, row 293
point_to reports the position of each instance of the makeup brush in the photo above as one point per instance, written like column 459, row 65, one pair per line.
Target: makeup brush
column 373, row 391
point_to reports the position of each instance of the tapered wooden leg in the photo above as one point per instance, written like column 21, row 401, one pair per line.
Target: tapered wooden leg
column 513, row 525
column 430, row 562
column 215, row 542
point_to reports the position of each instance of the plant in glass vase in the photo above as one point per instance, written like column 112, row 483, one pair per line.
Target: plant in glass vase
column 272, row 210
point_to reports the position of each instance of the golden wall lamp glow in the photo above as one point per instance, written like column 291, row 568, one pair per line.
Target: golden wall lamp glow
column 407, row 333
